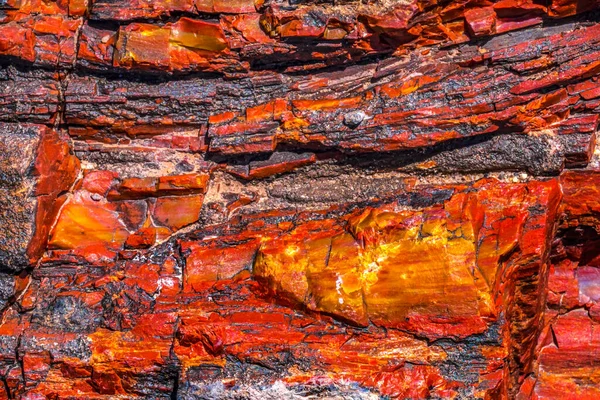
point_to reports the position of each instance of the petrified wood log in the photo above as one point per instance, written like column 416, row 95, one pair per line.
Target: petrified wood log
column 248, row 199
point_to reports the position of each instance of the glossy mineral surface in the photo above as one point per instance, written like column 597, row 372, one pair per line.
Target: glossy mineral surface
column 269, row 199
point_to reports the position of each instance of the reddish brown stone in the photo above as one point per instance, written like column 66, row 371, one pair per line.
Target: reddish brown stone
column 248, row 199
column 37, row 169
column 85, row 222
column 177, row 212
column 481, row 21
column 208, row 264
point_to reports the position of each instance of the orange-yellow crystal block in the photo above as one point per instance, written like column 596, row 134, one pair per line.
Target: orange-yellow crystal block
column 433, row 270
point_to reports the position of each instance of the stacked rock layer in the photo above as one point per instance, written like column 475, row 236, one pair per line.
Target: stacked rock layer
column 270, row 199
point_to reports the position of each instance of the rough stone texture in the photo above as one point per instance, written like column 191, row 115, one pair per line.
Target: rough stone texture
column 36, row 169
column 209, row 199
column 17, row 200
column 568, row 349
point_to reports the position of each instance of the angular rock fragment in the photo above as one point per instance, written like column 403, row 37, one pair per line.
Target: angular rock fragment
column 435, row 272
column 36, row 169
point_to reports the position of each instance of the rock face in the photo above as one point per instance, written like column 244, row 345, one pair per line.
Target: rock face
column 209, row 199
column 37, row 169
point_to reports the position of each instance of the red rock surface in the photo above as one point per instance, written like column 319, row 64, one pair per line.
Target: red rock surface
column 279, row 200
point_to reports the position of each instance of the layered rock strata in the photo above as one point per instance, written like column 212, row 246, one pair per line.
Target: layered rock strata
column 272, row 199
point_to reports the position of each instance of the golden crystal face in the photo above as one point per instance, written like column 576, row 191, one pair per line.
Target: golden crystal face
column 198, row 35
column 432, row 270
column 82, row 225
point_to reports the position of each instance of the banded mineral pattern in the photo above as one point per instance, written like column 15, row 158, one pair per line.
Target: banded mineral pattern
column 273, row 199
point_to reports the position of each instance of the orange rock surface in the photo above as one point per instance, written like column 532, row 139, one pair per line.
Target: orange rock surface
column 209, row 199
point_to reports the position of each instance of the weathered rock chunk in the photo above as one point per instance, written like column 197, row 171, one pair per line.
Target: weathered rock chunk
column 35, row 170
